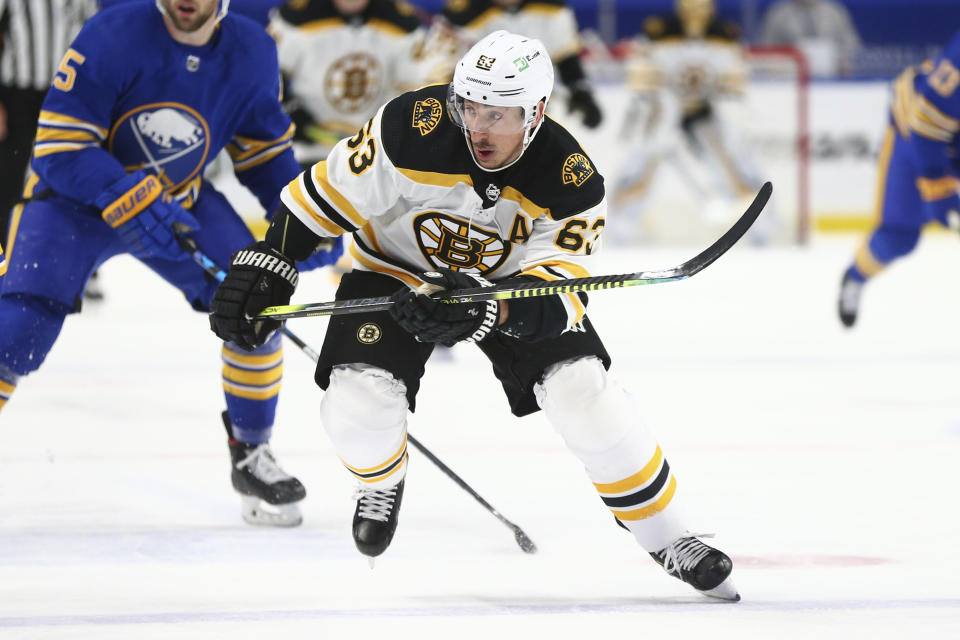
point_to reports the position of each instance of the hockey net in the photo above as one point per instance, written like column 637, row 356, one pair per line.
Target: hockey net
column 769, row 123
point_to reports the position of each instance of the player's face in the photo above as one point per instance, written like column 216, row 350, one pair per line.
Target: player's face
column 496, row 133
column 190, row 15
column 350, row 6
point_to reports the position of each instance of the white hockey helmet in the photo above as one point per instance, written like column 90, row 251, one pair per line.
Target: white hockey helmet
column 221, row 13
column 505, row 70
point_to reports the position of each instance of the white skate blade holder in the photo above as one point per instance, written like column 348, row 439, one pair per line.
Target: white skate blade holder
column 261, row 513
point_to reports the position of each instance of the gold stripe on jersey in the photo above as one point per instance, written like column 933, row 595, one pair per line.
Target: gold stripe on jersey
column 575, row 307
column 54, row 119
column 3, row 263
column 56, row 134
column 343, row 206
column 384, row 470
column 375, row 264
column 248, row 152
column 47, row 148
column 437, row 179
column 15, row 214
column 320, row 25
column 523, row 202
column 306, row 205
column 913, row 113
column 932, row 189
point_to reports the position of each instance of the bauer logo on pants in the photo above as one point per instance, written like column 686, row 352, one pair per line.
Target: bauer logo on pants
column 369, row 333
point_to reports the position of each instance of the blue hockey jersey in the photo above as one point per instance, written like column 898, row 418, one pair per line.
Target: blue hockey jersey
column 128, row 96
column 926, row 113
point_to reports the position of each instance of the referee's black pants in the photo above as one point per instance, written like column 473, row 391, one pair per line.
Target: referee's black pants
column 23, row 110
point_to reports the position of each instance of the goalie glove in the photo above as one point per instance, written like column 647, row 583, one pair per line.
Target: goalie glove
column 259, row 277
column 432, row 320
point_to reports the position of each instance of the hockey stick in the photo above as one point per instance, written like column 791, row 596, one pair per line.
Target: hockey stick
column 526, row 544
column 509, row 289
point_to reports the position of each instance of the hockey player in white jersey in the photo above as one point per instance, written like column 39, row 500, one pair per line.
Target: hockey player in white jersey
column 345, row 58
column 453, row 186
column 680, row 68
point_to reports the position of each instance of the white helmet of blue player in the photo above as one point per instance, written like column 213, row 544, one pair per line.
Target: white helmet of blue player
column 221, row 13
column 503, row 70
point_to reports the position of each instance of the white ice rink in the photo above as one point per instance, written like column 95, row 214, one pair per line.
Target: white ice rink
column 826, row 461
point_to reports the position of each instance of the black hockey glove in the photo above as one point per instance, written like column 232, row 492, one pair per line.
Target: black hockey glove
column 431, row 320
column 259, row 277
column 581, row 100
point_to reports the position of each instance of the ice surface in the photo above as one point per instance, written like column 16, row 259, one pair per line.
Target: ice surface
column 825, row 460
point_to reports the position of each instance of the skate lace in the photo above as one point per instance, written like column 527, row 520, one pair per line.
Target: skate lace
column 684, row 553
column 375, row 504
column 263, row 465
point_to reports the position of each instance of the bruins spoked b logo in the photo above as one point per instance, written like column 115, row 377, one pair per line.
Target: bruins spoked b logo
column 576, row 169
column 426, row 115
column 369, row 333
column 448, row 242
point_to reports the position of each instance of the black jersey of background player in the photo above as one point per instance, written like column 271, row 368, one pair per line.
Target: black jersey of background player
column 400, row 14
column 666, row 27
column 462, row 12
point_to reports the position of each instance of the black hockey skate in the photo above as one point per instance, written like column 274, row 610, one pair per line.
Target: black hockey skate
column 848, row 303
column 269, row 494
column 702, row 567
column 375, row 518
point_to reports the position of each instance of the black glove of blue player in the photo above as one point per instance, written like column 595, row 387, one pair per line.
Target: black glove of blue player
column 259, row 277
column 432, row 320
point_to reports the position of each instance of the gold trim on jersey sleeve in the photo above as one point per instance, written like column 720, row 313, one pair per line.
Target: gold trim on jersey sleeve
column 370, row 263
column 524, row 203
column 322, row 182
column 54, row 119
column 307, row 206
column 932, row 189
column 436, row 179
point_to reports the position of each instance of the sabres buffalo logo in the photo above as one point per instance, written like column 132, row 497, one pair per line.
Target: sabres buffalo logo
column 448, row 242
column 576, row 169
column 426, row 115
column 168, row 139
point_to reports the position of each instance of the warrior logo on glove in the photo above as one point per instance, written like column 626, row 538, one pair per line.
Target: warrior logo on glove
column 267, row 262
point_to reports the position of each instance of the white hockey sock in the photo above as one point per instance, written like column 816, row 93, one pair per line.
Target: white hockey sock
column 364, row 411
column 599, row 421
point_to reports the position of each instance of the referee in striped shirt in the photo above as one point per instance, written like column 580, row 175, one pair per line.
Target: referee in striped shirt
column 34, row 34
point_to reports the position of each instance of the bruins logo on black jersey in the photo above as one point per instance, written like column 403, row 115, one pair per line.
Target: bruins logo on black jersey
column 426, row 115
column 450, row 243
column 576, row 169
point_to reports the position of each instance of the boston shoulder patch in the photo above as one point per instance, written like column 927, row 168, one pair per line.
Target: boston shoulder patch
column 576, row 169
column 426, row 115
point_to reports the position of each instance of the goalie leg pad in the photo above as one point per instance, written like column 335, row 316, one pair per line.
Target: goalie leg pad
column 364, row 412
column 599, row 421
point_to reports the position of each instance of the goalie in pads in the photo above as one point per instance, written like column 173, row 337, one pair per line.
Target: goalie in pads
column 451, row 187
